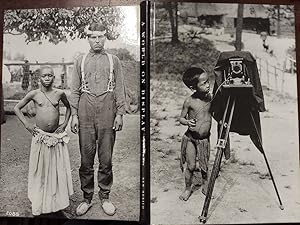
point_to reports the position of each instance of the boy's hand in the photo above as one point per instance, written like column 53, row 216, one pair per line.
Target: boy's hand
column 192, row 123
column 118, row 123
column 220, row 122
column 61, row 128
column 74, row 124
column 32, row 129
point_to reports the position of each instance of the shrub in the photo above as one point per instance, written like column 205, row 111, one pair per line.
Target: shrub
column 174, row 59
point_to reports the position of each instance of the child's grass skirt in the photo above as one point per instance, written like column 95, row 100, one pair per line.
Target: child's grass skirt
column 202, row 151
column 49, row 178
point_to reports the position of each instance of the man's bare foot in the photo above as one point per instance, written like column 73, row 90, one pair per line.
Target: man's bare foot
column 185, row 194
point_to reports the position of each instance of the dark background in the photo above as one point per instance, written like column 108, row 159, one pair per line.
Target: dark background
column 14, row 4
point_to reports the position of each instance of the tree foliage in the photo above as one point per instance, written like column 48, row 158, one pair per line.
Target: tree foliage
column 173, row 60
column 286, row 11
column 122, row 53
column 58, row 24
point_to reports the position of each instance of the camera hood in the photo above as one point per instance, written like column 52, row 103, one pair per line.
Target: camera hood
column 246, row 105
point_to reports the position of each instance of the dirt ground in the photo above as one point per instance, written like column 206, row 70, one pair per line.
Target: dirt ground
column 125, row 194
column 243, row 192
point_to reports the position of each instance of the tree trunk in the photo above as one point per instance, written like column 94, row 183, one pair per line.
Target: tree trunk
column 176, row 22
column 2, row 107
column 239, row 27
column 173, row 20
column 278, row 21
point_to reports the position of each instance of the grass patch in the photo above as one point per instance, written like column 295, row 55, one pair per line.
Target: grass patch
column 245, row 163
column 153, row 200
column 261, row 175
column 17, row 96
column 233, row 158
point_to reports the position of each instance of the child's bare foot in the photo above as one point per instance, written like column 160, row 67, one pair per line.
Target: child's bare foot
column 185, row 194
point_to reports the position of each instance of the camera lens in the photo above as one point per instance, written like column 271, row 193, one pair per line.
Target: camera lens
column 236, row 69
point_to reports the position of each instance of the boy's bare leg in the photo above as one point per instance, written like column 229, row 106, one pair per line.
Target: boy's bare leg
column 189, row 171
column 188, row 185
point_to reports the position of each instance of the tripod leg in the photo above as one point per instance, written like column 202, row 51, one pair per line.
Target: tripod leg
column 269, row 169
column 216, row 167
column 211, row 183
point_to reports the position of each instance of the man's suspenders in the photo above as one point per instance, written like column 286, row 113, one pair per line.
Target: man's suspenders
column 111, row 82
column 83, row 87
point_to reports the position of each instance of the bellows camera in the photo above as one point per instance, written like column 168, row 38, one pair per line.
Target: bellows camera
column 237, row 74
column 236, row 67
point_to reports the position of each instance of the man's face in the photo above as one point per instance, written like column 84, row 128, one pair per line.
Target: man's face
column 97, row 40
column 203, row 83
column 47, row 77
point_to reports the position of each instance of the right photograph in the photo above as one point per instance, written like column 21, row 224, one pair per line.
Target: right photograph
column 223, row 114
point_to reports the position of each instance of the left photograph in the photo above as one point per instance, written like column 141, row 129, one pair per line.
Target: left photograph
column 70, row 128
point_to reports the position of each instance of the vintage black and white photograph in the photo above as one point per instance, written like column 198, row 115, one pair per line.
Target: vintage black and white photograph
column 70, row 124
column 224, row 114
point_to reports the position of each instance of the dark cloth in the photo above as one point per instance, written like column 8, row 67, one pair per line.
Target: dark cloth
column 25, row 81
column 26, row 76
column 96, row 119
column 246, row 119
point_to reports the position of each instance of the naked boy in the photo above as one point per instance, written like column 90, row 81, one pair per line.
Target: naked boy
column 195, row 114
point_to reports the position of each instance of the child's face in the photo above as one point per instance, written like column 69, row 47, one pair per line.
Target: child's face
column 203, row 83
column 47, row 77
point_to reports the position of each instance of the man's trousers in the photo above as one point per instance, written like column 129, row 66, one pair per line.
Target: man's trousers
column 96, row 120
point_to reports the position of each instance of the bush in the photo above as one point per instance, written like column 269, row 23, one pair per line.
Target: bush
column 122, row 53
column 174, row 59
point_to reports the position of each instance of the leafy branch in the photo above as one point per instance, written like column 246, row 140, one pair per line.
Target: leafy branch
column 57, row 24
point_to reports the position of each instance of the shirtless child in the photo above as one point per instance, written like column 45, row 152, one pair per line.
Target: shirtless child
column 195, row 114
column 49, row 177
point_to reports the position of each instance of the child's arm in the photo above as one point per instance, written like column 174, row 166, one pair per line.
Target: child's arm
column 61, row 128
column 29, row 126
column 184, row 113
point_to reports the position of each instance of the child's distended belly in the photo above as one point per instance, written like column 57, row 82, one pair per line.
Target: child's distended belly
column 201, row 130
column 47, row 119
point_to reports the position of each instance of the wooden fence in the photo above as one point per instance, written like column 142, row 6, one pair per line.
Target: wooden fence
column 26, row 72
column 282, row 79
column 131, row 77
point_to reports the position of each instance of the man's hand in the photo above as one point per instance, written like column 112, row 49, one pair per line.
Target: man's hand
column 61, row 128
column 118, row 123
column 74, row 124
column 32, row 129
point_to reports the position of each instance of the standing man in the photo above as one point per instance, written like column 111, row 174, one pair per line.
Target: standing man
column 98, row 105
